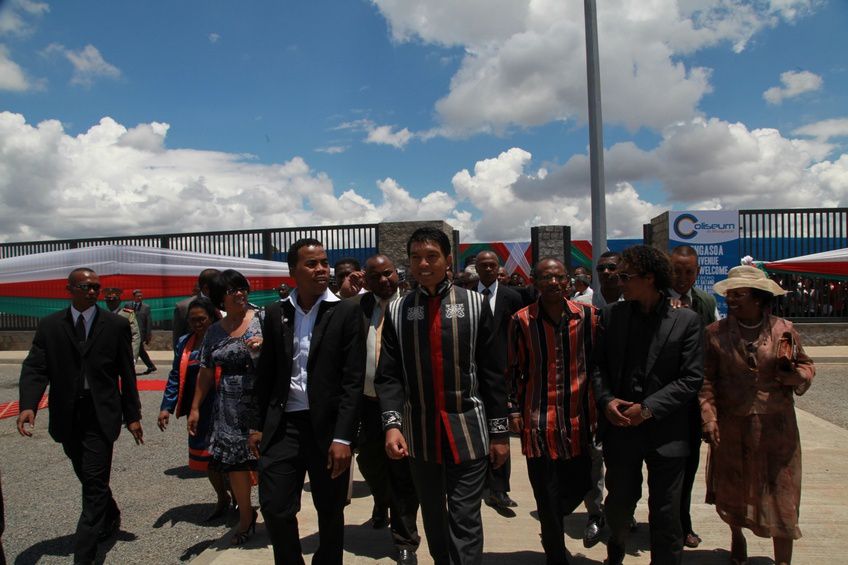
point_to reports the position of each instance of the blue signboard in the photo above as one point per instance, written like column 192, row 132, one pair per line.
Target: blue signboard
column 714, row 234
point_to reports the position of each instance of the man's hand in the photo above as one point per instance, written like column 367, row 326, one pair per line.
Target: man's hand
column 193, row 418
column 338, row 459
column 614, row 412
column 26, row 417
column 789, row 377
column 137, row 432
column 634, row 414
column 709, row 432
column 253, row 441
column 396, row 444
column 498, row 451
column 352, row 284
column 516, row 423
column 162, row 421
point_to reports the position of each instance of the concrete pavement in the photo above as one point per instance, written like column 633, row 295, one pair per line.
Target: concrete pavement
column 515, row 540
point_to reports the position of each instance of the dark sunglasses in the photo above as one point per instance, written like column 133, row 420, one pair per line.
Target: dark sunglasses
column 626, row 277
column 241, row 289
column 606, row 267
column 85, row 287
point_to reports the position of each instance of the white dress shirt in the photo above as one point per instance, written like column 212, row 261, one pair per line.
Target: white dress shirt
column 304, row 323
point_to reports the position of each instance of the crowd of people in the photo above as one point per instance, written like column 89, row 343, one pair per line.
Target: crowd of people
column 426, row 378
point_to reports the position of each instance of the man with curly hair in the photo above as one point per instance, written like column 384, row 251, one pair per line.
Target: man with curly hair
column 649, row 365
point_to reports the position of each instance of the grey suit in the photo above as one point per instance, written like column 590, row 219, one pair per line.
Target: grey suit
column 145, row 327
column 672, row 373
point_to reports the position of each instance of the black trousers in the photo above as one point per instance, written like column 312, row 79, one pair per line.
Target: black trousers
column 691, row 468
column 559, row 486
column 450, row 496
column 291, row 453
column 390, row 481
column 143, row 355
column 90, row 452
column 624, row 453
column 497, row 480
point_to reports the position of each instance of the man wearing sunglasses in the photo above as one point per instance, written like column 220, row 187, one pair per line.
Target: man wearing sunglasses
column 607, row 269
column 84, row 354
column 649, row 366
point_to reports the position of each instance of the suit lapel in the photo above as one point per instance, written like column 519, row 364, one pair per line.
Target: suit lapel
column 659, row 339
column 325, row 312
column 286, row 329
column 68, row 326
column 96, row 327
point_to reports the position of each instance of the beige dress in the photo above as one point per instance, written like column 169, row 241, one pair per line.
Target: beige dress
column 754, row 474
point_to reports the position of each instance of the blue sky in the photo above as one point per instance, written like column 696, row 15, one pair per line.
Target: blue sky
column 187, row 116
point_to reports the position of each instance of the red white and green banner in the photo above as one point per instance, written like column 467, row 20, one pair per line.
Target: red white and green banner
column 829, row 264
column 34, row 285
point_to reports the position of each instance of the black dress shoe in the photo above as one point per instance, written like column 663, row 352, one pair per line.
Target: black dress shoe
column 407, row 557
column 500, row 499
column 379, row 517
column 592, row 533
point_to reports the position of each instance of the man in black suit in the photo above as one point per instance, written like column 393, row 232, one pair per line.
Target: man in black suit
column 390, row 480
column 504, row 302
column 309, row 386
column 145, row 326
column 84, row 354
column 180, row 323
column 649, row 365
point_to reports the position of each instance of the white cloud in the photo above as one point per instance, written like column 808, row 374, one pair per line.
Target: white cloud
column 825, row 129
column 524, row 62
column 379, row 134
column 88, row 63
column 385, row 135
column 332, row 149
column 214, row 37
column 15, row 16
column 12, row 77
column 795, row 83
column 113, row 180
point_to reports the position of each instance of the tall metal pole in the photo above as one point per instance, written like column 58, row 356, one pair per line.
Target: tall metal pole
column 596, row 137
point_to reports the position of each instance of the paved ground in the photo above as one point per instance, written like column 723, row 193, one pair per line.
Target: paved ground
column 164, row 504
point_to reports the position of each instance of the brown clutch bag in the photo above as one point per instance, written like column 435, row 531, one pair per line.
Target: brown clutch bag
column 787, row 358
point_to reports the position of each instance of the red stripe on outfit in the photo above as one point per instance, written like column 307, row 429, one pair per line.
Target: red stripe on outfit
column 437, row 365
column 550, row 388
column 574, row 341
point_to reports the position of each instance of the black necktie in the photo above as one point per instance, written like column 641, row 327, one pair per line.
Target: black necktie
column 486, row 291
column 80, row 329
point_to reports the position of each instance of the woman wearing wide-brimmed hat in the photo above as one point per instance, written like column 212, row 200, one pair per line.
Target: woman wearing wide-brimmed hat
column 754, row 363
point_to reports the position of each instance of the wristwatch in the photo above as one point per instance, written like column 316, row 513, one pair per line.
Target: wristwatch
column 645, row 412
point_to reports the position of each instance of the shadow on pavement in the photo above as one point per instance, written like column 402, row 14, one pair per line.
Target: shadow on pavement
column 193, row 514
column 183, row 472
column 63, row 546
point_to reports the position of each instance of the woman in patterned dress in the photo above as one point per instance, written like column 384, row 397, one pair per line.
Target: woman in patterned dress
column 233, row 345
column 754, row 364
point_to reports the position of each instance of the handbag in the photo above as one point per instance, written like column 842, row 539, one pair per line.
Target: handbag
column 787, row 358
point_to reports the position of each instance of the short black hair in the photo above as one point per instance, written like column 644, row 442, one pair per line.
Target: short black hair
column 535, row 268
column 294, row 251
column 606, row 254
column 685, row 251
column 78, row 270
column 206, row 277
column 646, row 259
column 348, row 260
column 227, row 279
column 429, row 235
column 206, row 304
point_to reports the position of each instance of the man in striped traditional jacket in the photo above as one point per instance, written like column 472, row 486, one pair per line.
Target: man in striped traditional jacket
column 443, row 398
column 551, row 404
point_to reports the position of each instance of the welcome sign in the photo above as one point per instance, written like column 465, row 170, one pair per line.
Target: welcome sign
column 714, row 234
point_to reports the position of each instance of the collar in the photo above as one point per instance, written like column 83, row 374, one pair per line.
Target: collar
column 441, row 289
column 658, row 310
column 493, row 289
column 674, row 294
column 326, row 297
column 87, row 314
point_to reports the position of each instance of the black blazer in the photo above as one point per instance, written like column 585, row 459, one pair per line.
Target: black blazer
column 57, row 359
column 674, row 372
column 507, row 303
column 335, row 370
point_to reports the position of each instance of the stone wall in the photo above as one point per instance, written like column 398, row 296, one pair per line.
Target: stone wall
column 659, row 232
column 394, row 235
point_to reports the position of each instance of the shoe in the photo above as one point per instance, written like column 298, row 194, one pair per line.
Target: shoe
column 407, row 557
column 112, row 527
column 151, row 369
column 379, row 518
column 592, row 533
column 221, row 508
column 240, row 538
column 500, row 499
column 692, row 540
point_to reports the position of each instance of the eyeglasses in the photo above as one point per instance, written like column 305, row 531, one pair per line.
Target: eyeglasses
column 606, row 267
column 626, row 277
column 241, row 289
column 86, row 287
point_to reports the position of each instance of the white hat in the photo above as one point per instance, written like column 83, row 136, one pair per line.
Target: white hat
column 747, row 277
